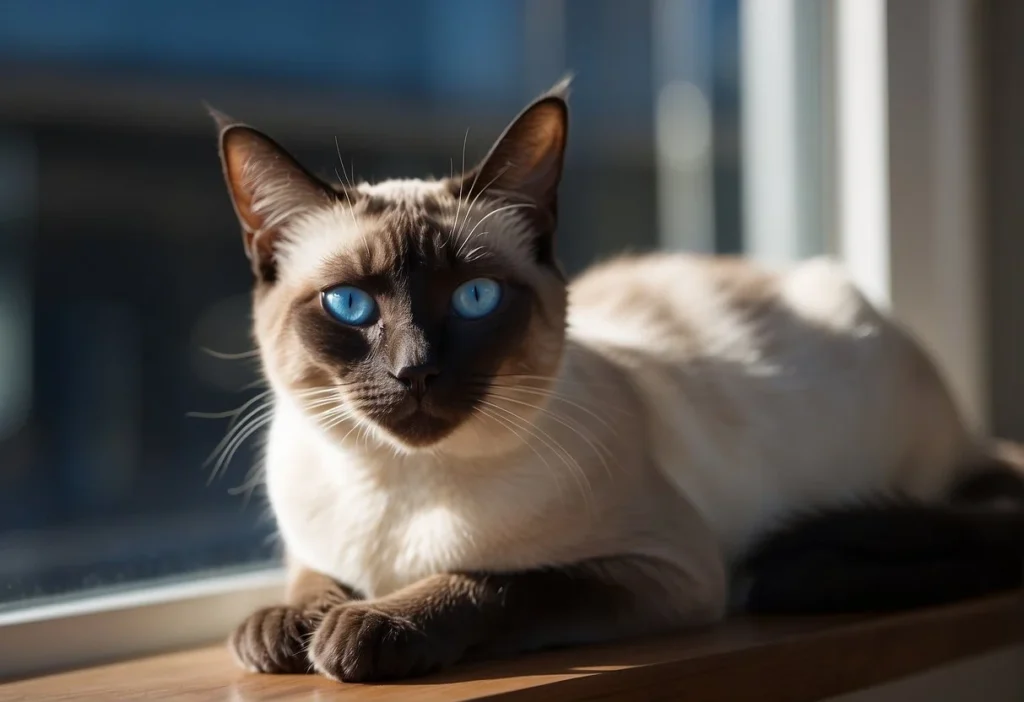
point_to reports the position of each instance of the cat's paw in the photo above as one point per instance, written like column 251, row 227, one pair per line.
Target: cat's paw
column 273, row 640
column 364, row 642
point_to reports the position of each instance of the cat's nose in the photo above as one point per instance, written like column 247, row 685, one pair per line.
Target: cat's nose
column 418, row 378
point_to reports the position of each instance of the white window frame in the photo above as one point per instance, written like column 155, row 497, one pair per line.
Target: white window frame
column 936, row 252
column 898, row 162
column 910, row 240
column 787, row 134
column 908, row 173
column 91, row 629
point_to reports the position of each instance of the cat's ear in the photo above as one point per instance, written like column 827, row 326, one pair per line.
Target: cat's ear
column 525, row 163
column 268, row 189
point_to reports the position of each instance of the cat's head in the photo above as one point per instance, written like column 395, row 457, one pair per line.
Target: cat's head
column 400, row 309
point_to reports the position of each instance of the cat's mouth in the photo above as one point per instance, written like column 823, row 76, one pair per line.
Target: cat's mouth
column 418, row 427
column 419, row 423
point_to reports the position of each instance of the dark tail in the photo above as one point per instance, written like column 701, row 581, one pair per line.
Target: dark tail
column 894, row 555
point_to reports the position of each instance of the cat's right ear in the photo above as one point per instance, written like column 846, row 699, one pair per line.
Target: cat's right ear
column 525, row 163
column 268, row 189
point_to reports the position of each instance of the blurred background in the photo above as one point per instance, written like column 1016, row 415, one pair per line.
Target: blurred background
column 887, row 134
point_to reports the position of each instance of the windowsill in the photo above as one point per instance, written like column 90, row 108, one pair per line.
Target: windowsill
column 772, row 660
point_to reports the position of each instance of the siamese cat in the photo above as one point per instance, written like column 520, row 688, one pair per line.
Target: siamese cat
column 471, row 456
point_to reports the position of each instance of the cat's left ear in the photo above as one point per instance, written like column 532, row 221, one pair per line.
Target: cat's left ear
column 525, row 163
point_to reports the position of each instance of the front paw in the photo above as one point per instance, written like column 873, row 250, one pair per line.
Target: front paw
column 364, row 643
column 273, row 640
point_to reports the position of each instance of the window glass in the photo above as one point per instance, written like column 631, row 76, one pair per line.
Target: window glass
column 125, row 355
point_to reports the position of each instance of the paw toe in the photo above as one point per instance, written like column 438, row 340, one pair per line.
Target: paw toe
column 362, row 644
column 272, row 640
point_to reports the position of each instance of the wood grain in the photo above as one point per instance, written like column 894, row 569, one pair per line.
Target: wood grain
column 771, row 660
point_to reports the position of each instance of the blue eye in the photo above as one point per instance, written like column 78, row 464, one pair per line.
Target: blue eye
column 476, row 298
column 349, row 305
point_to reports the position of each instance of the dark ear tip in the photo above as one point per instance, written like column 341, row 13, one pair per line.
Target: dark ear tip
column 222, row 120
column 556, row 96
column 561, row 89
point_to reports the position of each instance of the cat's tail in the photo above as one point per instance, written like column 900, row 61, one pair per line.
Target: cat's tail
column 894, row 555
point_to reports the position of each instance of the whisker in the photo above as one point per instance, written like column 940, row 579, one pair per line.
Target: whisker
column 472, row 186
column 550, row 381
column 550, row 394
column 351, row 208
column 261, row 414
column 253, row 479
column 508, row 426
column 553, row 415
column 230, row 356
column 251, row 429
column 232, row 425
column 451, row 176
column 355, row 426
column 475, row 198
column 595, row 444
column 334, row 418
column 479, row 249
column 548, row 378
column 549, row 441
column 242, row 420
column 462, row 182
column 489, row 387
column 212, row 415
column 490, row 214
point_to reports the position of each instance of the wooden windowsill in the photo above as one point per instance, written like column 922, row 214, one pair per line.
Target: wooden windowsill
column 771, row 660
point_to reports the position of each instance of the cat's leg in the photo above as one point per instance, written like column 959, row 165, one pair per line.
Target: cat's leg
column 274, row 639
column 449, row 617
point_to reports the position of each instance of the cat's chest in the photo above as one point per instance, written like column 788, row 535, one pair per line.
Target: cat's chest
column 380, row 536
column 373, row 539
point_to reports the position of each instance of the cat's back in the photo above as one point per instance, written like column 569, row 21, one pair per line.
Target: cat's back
column 695, row 304
column 768, row 388
column 730, row 325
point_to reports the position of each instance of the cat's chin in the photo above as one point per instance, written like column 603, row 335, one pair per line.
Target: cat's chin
column 418, row 430
column 466, row 439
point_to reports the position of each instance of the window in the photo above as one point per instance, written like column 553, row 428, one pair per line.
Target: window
column 125, row 358
column 123, row 288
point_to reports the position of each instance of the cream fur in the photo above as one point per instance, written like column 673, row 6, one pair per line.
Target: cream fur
column 697, row 402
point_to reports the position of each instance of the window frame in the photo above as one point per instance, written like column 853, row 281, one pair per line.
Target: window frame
column 150, row 618
column 899, row 161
